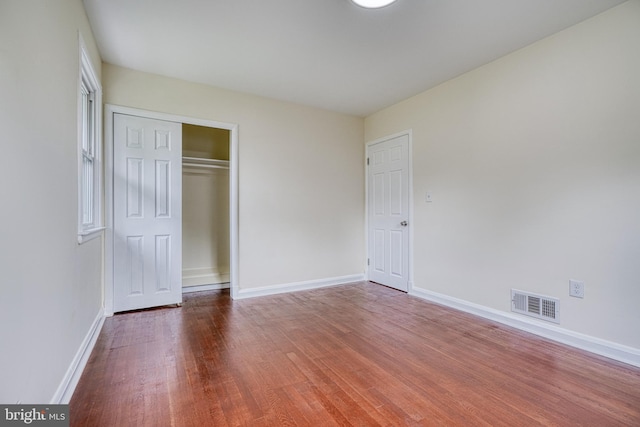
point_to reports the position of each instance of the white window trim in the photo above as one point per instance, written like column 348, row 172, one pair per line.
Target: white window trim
column 88, row 80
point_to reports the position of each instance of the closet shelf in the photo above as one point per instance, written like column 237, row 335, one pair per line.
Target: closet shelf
column 199, row 162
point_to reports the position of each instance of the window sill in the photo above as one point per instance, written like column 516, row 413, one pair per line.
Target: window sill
column 89, row 234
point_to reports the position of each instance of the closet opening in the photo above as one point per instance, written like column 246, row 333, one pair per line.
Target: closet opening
column 205, row 208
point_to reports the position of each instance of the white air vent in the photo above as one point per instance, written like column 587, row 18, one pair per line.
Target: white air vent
column 539, row 306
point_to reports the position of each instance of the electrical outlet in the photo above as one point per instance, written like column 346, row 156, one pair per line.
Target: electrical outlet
column 576, row 289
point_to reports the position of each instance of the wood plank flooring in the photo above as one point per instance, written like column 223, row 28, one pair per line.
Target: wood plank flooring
column 360, row 354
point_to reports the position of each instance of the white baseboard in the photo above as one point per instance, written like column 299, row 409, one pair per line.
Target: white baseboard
column 215, row 286
column 203, row 276
column 70, row 380
column 298, row 286
column 595, row 345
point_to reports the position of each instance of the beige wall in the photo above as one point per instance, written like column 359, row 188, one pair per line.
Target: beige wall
column 205, row 142
column 301, row 197
column 50, row 290
column 534, row 165
column 205, row 226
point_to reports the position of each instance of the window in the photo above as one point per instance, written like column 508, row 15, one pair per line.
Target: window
column 89, row 150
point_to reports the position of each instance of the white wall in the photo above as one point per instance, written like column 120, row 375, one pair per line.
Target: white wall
column 534, row 165
column 301, row 183
column 50, row 290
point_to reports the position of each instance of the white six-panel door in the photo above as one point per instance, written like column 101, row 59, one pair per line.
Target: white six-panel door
column 147, row 216
column 388, row 212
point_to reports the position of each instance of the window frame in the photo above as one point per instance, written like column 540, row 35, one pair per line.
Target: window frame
column 90, row 147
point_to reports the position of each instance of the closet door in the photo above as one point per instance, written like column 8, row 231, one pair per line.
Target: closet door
column 147, row 212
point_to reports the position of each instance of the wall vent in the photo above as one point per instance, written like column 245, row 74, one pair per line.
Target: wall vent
column 539, row 306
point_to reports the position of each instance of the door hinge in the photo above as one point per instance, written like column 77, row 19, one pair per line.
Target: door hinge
column 368, row 261
column 367, row 161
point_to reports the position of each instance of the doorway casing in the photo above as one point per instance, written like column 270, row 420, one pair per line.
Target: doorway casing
column 110, row 110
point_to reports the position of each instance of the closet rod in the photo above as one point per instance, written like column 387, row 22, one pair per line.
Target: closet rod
column 198, row 162
column 199, row 165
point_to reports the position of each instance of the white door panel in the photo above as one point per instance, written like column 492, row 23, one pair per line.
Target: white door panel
column 388, row 207
column 147, row 212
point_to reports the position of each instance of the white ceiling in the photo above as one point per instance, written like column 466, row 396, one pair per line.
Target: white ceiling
column 324, row 53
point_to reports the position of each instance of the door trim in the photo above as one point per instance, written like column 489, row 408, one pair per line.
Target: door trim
column 409, row 134
column 109, row 111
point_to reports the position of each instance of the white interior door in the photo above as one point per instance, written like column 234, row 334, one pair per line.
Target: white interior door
column 147, row 212
column 388, row 212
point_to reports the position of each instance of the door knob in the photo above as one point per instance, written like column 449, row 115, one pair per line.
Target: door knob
column 404, row 223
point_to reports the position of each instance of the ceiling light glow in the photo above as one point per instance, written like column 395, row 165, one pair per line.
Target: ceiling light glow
column 373, row 4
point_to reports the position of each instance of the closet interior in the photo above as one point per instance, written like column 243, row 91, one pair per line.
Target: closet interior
column 205, row 207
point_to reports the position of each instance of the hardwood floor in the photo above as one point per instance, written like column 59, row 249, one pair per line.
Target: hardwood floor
column 359, row 354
